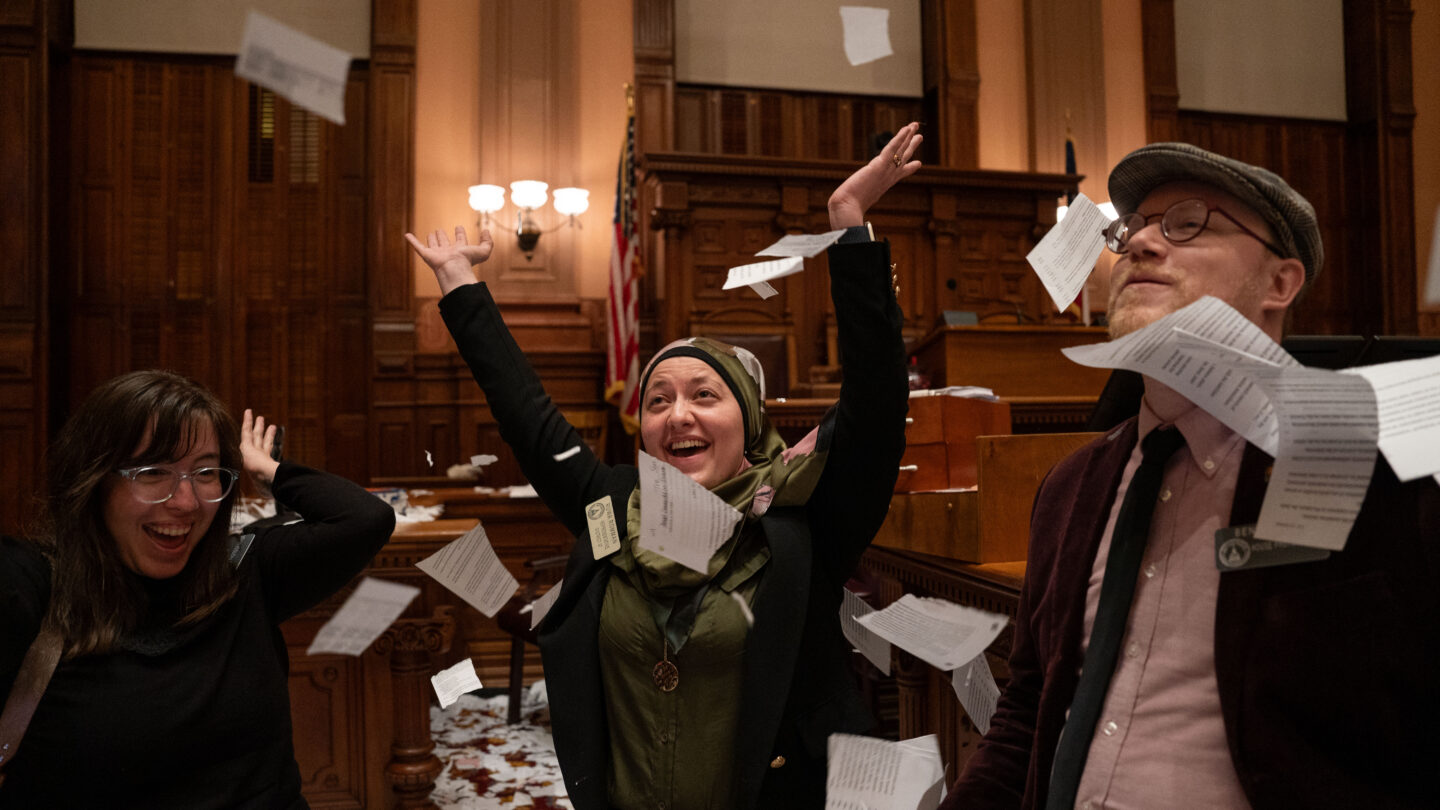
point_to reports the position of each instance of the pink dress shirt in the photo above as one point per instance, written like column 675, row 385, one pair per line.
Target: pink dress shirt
column 1160, row 740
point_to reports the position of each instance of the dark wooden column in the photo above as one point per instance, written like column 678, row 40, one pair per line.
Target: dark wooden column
column 411, row 645
column 1381, row 111
column 654, row 76
column 1162, row 90
column 952, row 83
column 391, row 158
column 34, row 37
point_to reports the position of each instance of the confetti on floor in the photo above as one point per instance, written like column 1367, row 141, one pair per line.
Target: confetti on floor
column 488, row 765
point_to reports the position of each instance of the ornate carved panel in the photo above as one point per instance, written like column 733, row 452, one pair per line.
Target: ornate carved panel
column 325, row 708
column 943, row 225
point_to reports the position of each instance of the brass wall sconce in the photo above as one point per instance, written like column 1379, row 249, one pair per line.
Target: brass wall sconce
column 528, row 196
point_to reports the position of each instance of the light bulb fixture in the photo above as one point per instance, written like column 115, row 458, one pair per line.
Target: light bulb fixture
column 528, row 196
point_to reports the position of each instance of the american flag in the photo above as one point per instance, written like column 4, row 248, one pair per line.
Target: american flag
column 622, row 366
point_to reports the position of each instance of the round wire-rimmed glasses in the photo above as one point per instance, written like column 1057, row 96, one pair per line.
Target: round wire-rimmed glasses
column 1179, row 223
column 158, row 484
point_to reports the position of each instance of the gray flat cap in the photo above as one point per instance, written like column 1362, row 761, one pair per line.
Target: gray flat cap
column 1290, row 216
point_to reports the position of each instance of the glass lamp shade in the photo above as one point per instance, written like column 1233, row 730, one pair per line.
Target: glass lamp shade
column 572, row 202
column 486, row 198
column 528, row 193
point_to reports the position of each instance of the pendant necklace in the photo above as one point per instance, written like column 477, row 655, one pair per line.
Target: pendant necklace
column 665, row 675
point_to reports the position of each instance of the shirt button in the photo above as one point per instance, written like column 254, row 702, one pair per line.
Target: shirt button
column 1110, row 728
column 1150, row 571
column 777, row 762
column 1209, row 465
column 1133, row 650
column 664, row 737
column 1165, row 495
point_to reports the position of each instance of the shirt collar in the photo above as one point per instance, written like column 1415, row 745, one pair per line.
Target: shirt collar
column 1209, row 441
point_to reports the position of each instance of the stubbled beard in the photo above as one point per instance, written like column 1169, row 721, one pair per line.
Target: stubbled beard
column 1129, row 320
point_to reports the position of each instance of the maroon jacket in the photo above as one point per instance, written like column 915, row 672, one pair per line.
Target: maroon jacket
column 1329, row 672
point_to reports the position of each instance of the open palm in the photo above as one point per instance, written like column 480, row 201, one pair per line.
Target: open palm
column 451, row 261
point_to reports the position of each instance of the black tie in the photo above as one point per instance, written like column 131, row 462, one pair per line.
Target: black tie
column 1122, row 567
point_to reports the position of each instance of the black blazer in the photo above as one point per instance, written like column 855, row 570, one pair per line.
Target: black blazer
column 796, row 642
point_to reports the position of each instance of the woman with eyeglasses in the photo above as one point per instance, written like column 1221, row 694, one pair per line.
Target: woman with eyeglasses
column 171, row 688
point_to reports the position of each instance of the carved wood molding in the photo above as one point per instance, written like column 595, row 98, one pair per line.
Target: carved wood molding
column 958, row 238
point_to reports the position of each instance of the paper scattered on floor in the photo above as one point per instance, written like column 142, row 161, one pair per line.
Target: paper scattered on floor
column 371, row 608
column 451, row 683
column 679, row 518
column 1066, row 255
column 865, row 773
column 961, row 391
column 975, row 685
column 867, row 33
column 875, row 649
column 308, row 72
column 469, row 567
column 943, row 634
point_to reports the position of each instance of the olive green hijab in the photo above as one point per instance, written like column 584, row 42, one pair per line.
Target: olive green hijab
column 773, row 475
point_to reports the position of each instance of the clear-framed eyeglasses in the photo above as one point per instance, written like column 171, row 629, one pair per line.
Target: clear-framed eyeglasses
column 158, row 484
column 1179, row 223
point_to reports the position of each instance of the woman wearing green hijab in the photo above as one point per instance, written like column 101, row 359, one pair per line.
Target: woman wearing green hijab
column 674, row 688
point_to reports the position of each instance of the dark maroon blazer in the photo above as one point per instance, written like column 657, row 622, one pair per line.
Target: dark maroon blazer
column 1329, row 672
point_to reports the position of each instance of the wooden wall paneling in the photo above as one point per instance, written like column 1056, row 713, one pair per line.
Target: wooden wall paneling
column 693, row 131
column 326, row 705
column 148, row 182
column 1162, row 86
column 777, row 123
column 32, row 40
column 1312, row 156
column 952, row 84
column 1381, row 112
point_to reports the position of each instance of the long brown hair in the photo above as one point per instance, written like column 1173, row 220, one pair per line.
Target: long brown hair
column 95, row 599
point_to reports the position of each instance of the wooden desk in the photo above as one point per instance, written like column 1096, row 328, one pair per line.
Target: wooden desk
column 362, row 724
column 926, row 702
column 1013, row 361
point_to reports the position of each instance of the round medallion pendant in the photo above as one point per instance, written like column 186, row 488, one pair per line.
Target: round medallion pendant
column 666, row 676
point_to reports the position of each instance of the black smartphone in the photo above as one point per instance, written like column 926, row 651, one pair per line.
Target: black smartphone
column 279, row 440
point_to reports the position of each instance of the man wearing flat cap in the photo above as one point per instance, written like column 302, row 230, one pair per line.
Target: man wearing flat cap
column 1141, row 674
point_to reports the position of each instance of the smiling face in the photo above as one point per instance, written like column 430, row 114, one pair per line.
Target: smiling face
column 691, row 420
column 156, row 539
column 1156, row 277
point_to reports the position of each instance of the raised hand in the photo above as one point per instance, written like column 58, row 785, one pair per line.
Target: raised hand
column 451, row 261
column 256, row 442
column 863, row 188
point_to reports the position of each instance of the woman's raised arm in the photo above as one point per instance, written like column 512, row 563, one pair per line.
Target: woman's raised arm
column 451, row 261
